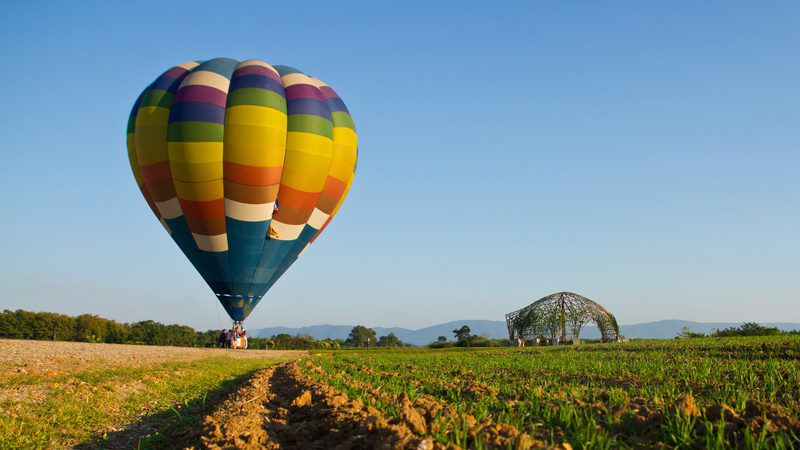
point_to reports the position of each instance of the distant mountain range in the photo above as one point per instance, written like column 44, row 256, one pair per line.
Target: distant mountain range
column 663, row 329
column 424, row 336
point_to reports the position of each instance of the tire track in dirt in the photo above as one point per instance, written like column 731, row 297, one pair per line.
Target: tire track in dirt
column 283, row 408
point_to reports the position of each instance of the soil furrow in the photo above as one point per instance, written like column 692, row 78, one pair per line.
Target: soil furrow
column 283, row 408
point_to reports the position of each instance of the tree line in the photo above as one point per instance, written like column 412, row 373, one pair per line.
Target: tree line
column 359, row 337
column 746, row 329
column 45, row 326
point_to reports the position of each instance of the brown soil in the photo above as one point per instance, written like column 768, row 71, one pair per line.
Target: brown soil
column 282, row 407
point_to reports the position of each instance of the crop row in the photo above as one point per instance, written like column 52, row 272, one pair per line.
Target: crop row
column 712, row 393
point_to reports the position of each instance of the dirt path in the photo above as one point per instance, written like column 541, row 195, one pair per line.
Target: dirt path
column 283, row 408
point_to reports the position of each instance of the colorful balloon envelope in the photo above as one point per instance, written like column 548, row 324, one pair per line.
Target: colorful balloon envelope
column 244, row 164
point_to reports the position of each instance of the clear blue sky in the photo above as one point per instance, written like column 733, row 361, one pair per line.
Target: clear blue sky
column 645, row 155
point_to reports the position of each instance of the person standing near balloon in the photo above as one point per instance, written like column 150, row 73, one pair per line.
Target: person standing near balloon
column 236, row 338
column 223, row 338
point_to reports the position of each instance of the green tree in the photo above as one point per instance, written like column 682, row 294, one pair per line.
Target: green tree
column 282, row 341
column 576, row 319
column 43, row 326
column 361, row 336
column 607, row 324
column 462, row 334
column 254, row 343
column 686, row 333
column 118, row 333
column 62, row 328
column 9, row 329
column 554, row 323
column 304, row 341
column 180, row 336
column 25, row 321
column 208, row 339
column 747, row 329
column 90, row 328
column 442, row 339
column 527, row 324
column 148, row 332
column 389, row 340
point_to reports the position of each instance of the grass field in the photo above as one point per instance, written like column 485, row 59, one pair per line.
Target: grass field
column 140, row 405
column 698, row 393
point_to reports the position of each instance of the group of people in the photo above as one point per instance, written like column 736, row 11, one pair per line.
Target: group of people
column 236, row 338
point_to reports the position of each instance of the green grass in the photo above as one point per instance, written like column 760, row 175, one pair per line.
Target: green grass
column 80, row 404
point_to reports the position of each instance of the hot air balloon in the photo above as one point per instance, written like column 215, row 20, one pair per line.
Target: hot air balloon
column 244, row 164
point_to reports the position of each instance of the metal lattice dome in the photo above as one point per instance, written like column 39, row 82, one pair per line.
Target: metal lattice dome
column 560, row 316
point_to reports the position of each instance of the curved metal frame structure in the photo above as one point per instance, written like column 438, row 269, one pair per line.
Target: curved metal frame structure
column 561, row 316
